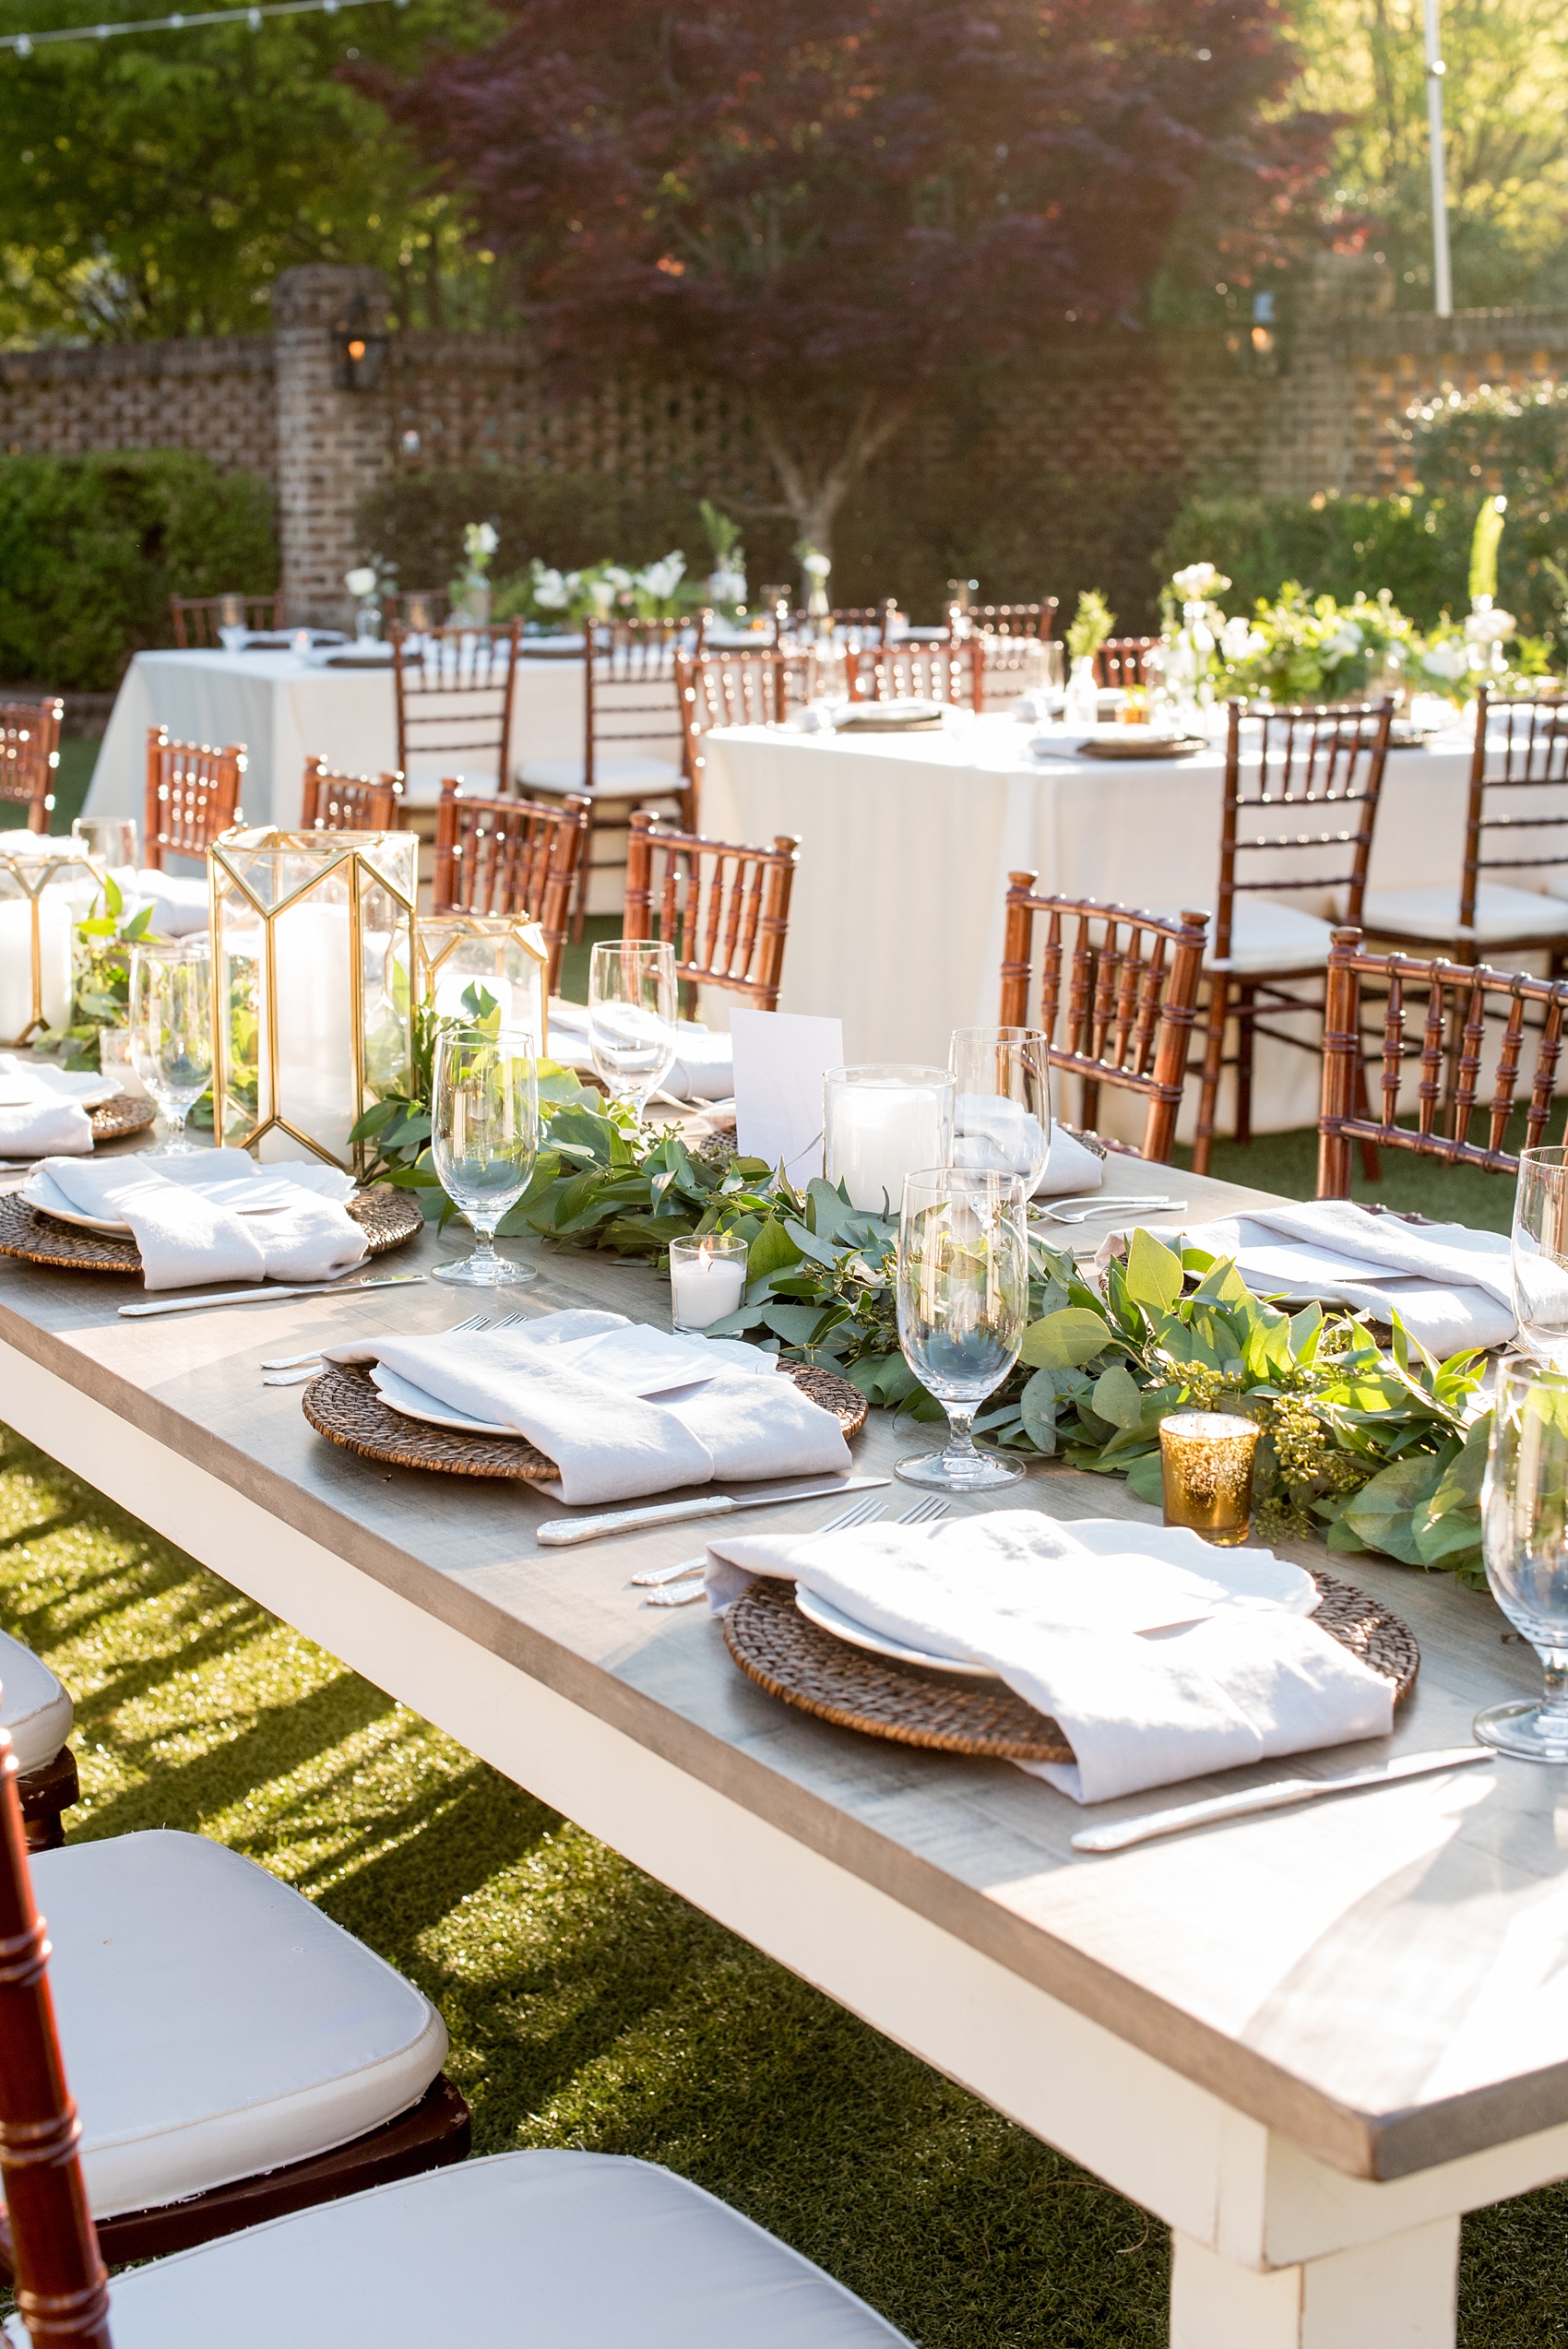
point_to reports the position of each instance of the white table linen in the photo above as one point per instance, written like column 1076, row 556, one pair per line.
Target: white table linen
column 215, row 1216
column 704, row 1062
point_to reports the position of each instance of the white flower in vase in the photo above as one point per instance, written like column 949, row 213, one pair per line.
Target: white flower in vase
column 1346, row 640
column 361, row 581
column 660, row 579
column 1490, row 627
column 549, row 589
column 480, row 542
column 1198, row 582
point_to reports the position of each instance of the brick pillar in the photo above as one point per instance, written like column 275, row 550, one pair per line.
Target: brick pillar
column 1308, row 442
column 333, row 445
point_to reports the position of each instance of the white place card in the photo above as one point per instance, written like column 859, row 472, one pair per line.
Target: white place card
column 781, row 1061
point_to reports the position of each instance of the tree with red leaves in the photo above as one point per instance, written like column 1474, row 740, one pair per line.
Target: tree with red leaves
column 840, row 207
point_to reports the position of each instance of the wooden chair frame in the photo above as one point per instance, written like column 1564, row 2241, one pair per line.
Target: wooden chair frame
column 948, row 672
column 29, row 756
column 724, row 909
column 509, row 856
column 482, row 662
column 1014, row 619
column 1453, row 1035
column 1132, row 998
column 734, row 688
column 637, row 655
column 1322, row 766
column 1120, row 661
column 196, row 619
column 331, row 803
column 193, row 794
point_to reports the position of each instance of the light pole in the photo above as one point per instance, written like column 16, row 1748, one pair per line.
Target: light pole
column 1441, row 275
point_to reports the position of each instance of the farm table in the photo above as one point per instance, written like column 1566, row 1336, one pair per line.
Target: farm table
column 1309, row 2040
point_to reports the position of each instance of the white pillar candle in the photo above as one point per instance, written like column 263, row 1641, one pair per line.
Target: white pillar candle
column 882, row 1129
column 314, row 1030
column 706, row 1282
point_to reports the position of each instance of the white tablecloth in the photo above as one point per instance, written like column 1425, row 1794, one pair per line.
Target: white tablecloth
column 286, row 709
column 895, row 923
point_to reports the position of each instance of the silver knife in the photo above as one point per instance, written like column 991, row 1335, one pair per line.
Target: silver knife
column 264, row 1296
column 1284, row 1792
column 560, row 1531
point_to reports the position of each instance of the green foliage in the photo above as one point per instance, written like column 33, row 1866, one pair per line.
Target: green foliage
column 101, row 992
column 1416, row 548
column 1092, row 622
column 92, row 547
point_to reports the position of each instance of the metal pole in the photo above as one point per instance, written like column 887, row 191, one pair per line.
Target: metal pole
column 1441, row 275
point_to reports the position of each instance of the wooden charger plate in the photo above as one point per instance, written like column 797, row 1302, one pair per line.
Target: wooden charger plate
column 389, row 1218
column 345, row 1405
column 794, row 1658
column 123, row 1114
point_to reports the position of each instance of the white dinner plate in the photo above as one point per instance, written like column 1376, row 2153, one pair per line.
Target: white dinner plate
column 400, row 1394
column 829, row 1618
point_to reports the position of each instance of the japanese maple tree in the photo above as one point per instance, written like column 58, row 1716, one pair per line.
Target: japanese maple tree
column 840, row 207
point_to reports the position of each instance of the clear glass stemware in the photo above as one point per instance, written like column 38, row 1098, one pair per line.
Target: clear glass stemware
column 484, row 1138
column 1540, row 1253
column 170, row 1017
column 631, row 1016
column 1002, row 1114
column 1524, row 1541
column 963, row 1302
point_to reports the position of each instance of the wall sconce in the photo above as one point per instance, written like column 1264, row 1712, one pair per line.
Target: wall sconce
column 359, row 349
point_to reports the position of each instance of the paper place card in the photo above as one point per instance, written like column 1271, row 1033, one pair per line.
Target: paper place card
column 781, row 1061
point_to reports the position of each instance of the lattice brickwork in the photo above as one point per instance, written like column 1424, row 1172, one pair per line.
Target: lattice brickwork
column 215, row 397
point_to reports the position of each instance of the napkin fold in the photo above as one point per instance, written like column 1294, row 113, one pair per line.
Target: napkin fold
column 705, row 1060
column 214, row 1216
column 1154, row 1671
column 621, row 1409
column 1451, row 1287
column 43, row 1110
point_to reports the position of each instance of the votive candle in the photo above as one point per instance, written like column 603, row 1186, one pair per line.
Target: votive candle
column 1206, row 1461
column 707, row 1278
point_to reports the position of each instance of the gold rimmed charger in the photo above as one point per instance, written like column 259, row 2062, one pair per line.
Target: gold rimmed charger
column 389, row 1218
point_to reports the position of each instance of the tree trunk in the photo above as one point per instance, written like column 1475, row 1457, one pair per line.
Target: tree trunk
column 814, row 484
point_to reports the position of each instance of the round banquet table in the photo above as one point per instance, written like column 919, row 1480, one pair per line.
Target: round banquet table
column 895, row 923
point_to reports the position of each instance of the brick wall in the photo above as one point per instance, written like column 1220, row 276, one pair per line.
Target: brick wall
column 216, row 396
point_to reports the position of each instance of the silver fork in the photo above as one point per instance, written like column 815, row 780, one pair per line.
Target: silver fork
column 859, row 1512
column 296, row 1376
column 920, row 1512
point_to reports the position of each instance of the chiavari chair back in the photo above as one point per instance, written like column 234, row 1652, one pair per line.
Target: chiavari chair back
column 198, row 619
column 736, row 688
column 1120, row 661
column 348, row 803
column 193, row 794
column 1447, row 1020
column 417, row 608
column 510, row 855
column 1006, row 667
column 29, row 756
column 1015, row 619
column 1116, row 998
column 454, row 689
column 949, row 672
column 723, row 908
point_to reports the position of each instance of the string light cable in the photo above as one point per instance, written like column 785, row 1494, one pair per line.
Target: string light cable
column 22, row 45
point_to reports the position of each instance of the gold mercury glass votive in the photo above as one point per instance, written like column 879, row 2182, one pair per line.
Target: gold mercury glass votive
column 1205, row 1459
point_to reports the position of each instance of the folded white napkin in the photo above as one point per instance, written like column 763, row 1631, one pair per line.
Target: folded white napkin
column 704, row 1062
column 1451, row 1287
column 214, row 1216
column 180, row 906
column 43, row 1110
column 581, row 1386
column 995, row 1136
column 1155, row 1670
column 1072, row 1167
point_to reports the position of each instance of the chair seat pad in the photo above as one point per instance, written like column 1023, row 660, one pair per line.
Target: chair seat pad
column 614, row 778
column 1502, row 913
column 1267, row 936
column 550, row 2250
column 214, row 2023
column 33, row 1706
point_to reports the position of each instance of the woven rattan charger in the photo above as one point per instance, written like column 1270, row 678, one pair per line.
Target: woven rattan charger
column 795, row 1659
column 387, row 1219
column 121, row 1114
column 344, row 1406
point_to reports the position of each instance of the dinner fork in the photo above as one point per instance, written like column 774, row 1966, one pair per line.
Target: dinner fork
column 920, row 1512
column 290, row 1372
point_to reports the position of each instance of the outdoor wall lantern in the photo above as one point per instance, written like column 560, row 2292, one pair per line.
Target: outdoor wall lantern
column 358, row 347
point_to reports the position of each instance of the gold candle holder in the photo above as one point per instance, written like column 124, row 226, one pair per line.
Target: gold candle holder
column 504, row 954
column 1206, row 1461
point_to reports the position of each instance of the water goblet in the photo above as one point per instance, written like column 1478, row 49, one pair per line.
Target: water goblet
column 110, row 840
column 963, row 1303
column 484, row 1139
column 1524, row 1542
column 1540, row 1253
column 1001, row 1113
column 170, row 1017
column 631, row 1016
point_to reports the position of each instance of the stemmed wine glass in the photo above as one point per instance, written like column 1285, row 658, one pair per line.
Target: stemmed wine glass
column 1524, row 1542
column 484, row 1138
column 170, row 1017
column 631, row 1016
column 1002, row 1114
column 963, row 1302
column 1540, row 1253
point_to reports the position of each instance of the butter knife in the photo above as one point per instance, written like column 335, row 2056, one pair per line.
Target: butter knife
column 562, row 1531
column 259, row 1294
column 1284, row 1792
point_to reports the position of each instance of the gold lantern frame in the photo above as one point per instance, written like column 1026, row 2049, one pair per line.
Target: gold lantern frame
column 343, row 856
column 49, row 869
column 502, row 931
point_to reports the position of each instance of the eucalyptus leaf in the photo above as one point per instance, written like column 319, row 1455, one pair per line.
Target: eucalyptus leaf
column 1066, row 1339
column 1153, row 1273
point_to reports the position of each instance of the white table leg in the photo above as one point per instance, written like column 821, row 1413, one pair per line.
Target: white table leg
column 1398, row 2293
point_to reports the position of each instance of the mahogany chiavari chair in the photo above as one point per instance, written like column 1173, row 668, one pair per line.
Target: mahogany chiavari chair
column 1131, row 995
column 1120, row 661
column 1006, row 667
column 476, row 2238
column 1015, row 619
column 739, row 688
column 724, row 909
column 417, row 608
column 29, row 756
column 193, row 794
column 199, row 618
column 945, row 672
column 510, row 857
column 1297, row 815
column 1517, row 808
column 454, row 688
column 1448, row 1004
column 348, row 803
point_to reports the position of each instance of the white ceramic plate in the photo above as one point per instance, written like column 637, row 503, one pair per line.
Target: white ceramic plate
column 401, row 1394
column 829, row 1618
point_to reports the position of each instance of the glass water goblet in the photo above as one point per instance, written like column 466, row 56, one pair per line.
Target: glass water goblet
column 631, row 1018
column 110, row 840
column 170, row 1017
column 1524, row 1542
column 963, row 1303
column 1540, row 1253
column 484, row 1139
column 1002, row 1114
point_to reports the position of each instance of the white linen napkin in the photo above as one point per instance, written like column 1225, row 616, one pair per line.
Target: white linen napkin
column 179, row 902
column 43, row 1110
column 1451, row 1287
column 586, row 1394
column 1154, row 1671
column 1072, row 1167
column 705, row 1064
column 214, row 1216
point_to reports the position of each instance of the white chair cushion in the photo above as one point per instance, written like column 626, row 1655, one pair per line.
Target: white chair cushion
column 615, row 775
column 1266, row 936
column 33, row 1706
column 543, row 2250
column 1502, row 913
column 214, row 2023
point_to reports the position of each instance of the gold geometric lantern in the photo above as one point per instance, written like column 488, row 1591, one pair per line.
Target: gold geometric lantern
column 45, row 892
column 508, row 958
column 312, row 938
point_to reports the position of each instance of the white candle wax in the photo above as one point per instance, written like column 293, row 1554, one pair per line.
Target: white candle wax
column 56, row 913
column 881, row 1133
column 703, row 1288
column 314, row 1011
